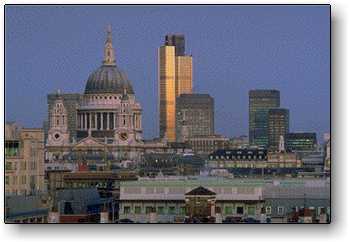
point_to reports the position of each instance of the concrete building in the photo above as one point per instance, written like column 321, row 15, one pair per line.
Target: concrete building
column 278, row 125
column 24, row 160
column 252, row 158
column 239, row 142
column 260, row 101
column 301, row 141
column 207, row 144
column 175, row 77
column 169, row 200
column 283, row 197
column 194, row 116
column 26, row 209
column 327, row 165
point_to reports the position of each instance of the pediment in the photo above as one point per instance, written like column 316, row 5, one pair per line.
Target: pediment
column 89, row 141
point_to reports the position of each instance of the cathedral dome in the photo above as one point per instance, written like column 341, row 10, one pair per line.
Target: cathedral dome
column 108, row 78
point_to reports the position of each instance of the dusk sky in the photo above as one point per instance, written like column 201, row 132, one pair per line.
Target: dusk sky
column 234, row 49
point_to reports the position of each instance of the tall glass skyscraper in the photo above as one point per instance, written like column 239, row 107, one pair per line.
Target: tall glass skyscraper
column 260, row 101
column 175, row 78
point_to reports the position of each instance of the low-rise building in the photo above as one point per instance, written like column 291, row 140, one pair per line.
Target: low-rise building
column 24, row 160
column 167, row 200
column 300, row 141
column 26, row 209
column 284, row 197
column 252, row 158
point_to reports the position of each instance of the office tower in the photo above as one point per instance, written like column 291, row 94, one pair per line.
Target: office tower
column 260, row 101
column 175, row 78
column 178, row 41
column 194, row 116
column 24, row 160
column 278, row 126
column 301, row 141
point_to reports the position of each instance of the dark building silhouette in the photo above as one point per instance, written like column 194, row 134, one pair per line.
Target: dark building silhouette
column 260, row 101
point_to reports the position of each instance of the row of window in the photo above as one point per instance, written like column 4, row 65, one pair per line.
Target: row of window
column 149, row 209
column 19, row 180
column 238, row 157
column 12, row 166
column 171, row 210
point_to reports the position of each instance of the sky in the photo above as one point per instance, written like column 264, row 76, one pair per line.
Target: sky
column 234, row 48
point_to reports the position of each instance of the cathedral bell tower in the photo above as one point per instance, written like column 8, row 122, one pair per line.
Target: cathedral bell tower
column 58, row 131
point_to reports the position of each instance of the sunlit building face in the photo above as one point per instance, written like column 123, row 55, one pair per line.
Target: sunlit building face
column 175, row 78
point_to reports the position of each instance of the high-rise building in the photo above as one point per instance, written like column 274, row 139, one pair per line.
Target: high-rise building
column 194, row 116
column 178, row 41
column 278, row 125
column 260, row 101
column 167, row 95
column 301, row 141
column 24, row 160
column 175, row 78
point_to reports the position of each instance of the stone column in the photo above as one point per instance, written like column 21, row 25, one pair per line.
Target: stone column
column 114, row 121
column 96, row 121
column 108, row 121
column 90, row 120
column 102, row 120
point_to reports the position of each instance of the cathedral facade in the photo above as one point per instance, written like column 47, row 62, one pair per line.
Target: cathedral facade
column 104, row 123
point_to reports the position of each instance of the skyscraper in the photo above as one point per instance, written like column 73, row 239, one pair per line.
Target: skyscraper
column 178, row 41
column 175, row 78
column 194, row 116
column 278, row 125
column 260, row 101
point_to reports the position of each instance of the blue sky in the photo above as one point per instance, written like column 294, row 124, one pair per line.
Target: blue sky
column 235, row 49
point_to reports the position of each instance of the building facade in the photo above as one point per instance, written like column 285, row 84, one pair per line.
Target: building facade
column 169, row 200
column 103, row 123
column 175, row 77
column 260, row 101
column 24, row 160
column 278, row 125
column 194, row 116
column 301, row 141
column 252, row 158
column 208, row 144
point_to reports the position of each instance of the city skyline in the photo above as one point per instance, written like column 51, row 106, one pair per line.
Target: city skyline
column 66, row 52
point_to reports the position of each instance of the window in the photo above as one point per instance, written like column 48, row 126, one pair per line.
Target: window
column 182, row 210
column 171, row 210
column 7, row 180
column 8, row 166
column 138, row 210
column 14, row 180
column 228, row 210
column 268, row 210
column 240, row 210
column 11, row 148
column 251, row 210
column 149, row 210
column 23, row 180
column 280, row 210
column 161, row 210
column 23, row 165
column 33, row 165
column 127, row 210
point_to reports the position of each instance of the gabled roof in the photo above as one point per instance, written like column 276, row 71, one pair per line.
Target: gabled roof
column 200, row 191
